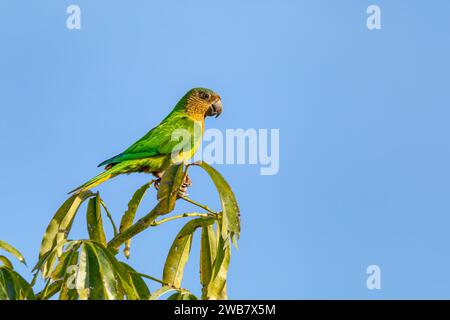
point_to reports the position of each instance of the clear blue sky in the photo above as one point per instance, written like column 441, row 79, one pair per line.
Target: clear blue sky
column 363, row 118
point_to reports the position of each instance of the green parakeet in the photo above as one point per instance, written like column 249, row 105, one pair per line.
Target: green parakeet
column 174, row 140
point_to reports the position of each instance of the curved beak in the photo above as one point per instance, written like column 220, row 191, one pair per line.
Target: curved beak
column 215, row 109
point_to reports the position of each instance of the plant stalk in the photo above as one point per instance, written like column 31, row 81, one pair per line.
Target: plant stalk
column 136, row 228
column 184, row 215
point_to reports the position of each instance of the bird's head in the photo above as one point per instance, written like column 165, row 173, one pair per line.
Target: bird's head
column 202, row 102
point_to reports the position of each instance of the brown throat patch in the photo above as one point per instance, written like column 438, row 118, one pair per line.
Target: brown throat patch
column 196, row 108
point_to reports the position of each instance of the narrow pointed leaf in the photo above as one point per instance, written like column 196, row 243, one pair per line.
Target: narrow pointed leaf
column 169, row 187
column 9, row 248
column 68, row 288
column 130, row 214
column 179, row 251
column 48, row 260
column 188, row 296
column 122, row 275
column 7, row 288
column 138, row 283
column 94, row 283
column 176, row 260
column 160, row 292
column 61, row 223
column 175, row 296
column 208, row 249
column 52, row 289
column 230, row 208
column 94, row 220
column 182, row 296
column 216, row 288
column 108, row 278
column 90, row 271
column 6, row 262
column 65, row 261
column 13, row 286
column 82, row 279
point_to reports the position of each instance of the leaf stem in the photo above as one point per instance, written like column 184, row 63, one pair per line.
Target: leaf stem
column 198, row 204
column 143, row 275
column 41, row 295
column 108, row 214
column 183, row 215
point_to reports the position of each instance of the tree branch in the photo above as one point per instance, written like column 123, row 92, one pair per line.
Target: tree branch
column 149, row 220
column 136, row 228
column 197, row 204
column 143, row 275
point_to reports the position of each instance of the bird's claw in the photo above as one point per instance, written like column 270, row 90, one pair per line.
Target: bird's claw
column 187, row 182
column 184, row 186
column 157, row 183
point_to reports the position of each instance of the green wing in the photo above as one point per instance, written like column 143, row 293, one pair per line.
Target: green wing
column 173, row 134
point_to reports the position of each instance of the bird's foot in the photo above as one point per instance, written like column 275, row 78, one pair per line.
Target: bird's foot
column 187, row 182
column 184, row 186
column 157, row 183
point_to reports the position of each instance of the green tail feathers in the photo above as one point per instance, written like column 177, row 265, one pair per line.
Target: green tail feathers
column 102, row 177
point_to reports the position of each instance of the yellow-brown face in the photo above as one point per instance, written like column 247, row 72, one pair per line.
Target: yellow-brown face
column 203, row 103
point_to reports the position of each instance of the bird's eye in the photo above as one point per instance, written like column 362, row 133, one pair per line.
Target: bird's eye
column 203, row 95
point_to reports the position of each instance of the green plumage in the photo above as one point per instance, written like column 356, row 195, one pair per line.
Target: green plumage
column 175, row 139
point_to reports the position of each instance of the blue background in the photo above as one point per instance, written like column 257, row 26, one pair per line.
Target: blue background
column 363, row 118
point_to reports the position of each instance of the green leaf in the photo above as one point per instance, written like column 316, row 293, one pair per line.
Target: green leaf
column 105, row 284
column 65, row 261
column 169, row 188
column 184, row 295
column 7, row 288
column 121, row 274
column 94, row 220
column 175, row 296
column 68, row 289
column 13, row 286
column 208, row 250
column 234, row 240
column 50, row 291
column 188, row 296
column 138, row 283
column 48, row 260
column 83, row 274
column 129, row 215
column 88, row 270
column 216, row 289
column 179, row 251
column 97, row 282
column 176, row 260
column 160, row 292
column 9, row 248
column 230, row 208
column 59, row 227
column 6, row 262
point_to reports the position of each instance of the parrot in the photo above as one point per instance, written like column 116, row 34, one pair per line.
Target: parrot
column 174, row 140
